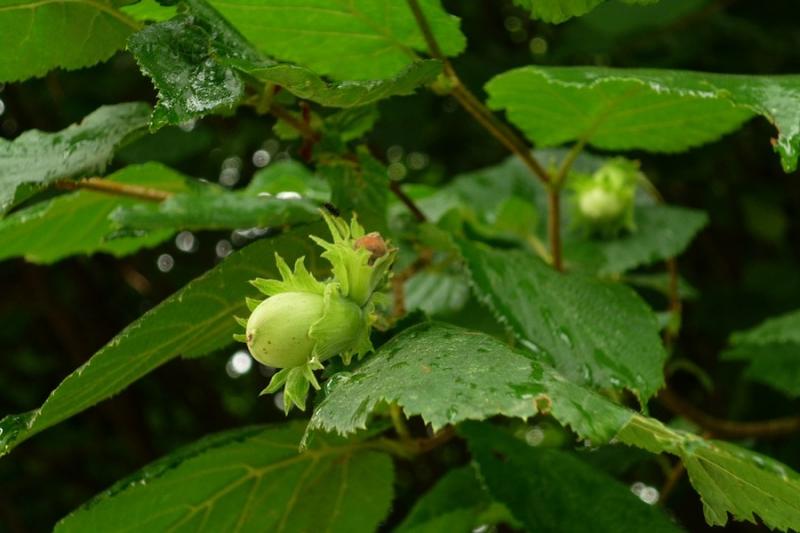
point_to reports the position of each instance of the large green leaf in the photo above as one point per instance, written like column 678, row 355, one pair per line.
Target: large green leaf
column 447, row 375
column 729, row 479
column 660, row 111
column 193, row 322
column 250, row 479
column 78, row 223
column 197, row 61
column 531, row 482
column 40, row 36
column 595, row 333
column 182, row 55
column 345, row 39
column 661, row 232
column 305, row 84
column 772, row 351
column 454, row 505
column 35, row 159
column 560, row 10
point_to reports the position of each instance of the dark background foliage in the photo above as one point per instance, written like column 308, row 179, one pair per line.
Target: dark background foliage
column 745, row 263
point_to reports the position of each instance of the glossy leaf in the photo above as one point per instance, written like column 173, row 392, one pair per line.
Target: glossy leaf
column 193, row 322
column 560, row 10
column 661, row 232
column 304, row 83
column 40, row 36
column 35, row 159
column 447, row 375
column 181, row 56
column 348, row 40
column 556, row 316
column 659, row 111
column 78, row 223
column 454, row 505
column 250, row 479
column 532, row 482
column 729, row 479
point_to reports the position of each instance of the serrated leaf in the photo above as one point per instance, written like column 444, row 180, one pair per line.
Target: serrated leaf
column 728, row 478
column 595, row 333
column 181, row 56
column 35, row 159
column 305, row 84
column 661, row 232
column 223, row 210
column 78, row 223
column 348, row 40
column 453, row 505
column 250, row 479
column 447, row 375
column 659, row 111
column 40, row 36
column 531, row 482
column 193, row 322
column 772, row 350
column 213, row 207
column 556, row 11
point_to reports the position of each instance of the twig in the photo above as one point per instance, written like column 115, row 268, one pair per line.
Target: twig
column 115, row 188
column 399, row 281
column 399, row 422
column 554, row 226
column 777, row 427
column 304, row 129
column 398, row 191
column 473, row 105
column 671, row 482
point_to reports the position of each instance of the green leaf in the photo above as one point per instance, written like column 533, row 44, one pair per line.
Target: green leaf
column 193, row 322
column 360, row 187
column 661, row 232
column 454, row 505
column 772, row 350
column 305, row 84
column 250, row 479
column 556, row 11
column 654, row 110
column 216, row 210
column 181, row 57
column 531, row 482
column 35, row 159
column 783, row 328
column 555, row 315
column 729, row 479
column 437, row 293
column 345, row 39
column 71, row 34
column 776, row 365
column 447, row 375
column 78, row 223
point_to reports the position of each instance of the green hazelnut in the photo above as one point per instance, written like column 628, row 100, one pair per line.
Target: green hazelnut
column 277, row 331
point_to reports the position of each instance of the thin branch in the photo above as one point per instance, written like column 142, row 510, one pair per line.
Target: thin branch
column 777, row 427
column 399, row 281
column 399, row 422
column 473, row 105
column 398, row 191
column 115, row 188
column 554, row 227
column 304, row 129
column 671, row 482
